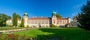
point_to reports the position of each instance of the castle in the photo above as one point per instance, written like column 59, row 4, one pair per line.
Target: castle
column 41, row 21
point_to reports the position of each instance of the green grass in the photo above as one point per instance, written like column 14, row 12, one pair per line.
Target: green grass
column 63, row 33
column 32, row 32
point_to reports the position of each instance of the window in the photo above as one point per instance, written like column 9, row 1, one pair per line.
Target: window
column 58, row 21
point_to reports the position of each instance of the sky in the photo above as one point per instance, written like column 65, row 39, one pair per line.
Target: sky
column 66, row 8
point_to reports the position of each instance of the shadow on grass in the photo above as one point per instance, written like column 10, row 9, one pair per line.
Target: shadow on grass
column 64, row 34
column 54, row 36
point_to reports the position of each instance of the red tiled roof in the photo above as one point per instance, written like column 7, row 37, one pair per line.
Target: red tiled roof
column 62, row 18
column 38, row 18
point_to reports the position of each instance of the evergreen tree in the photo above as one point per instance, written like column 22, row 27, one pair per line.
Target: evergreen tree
column 3, row 18
column 15, row 19
column 84, row 17
column 18, row 16
column 22, row 23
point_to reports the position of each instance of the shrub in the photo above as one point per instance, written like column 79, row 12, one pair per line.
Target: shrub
column 84, row 17
column 53, row 25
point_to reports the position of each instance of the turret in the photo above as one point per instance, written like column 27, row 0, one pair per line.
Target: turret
column 54, row 18
column 25, row 19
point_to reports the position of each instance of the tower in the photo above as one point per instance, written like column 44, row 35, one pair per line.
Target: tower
column 25, row 17
column 54, row 18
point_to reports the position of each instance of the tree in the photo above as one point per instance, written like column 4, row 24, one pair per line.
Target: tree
column 15, row 19
column 83, row 18
column 22, row 23
column 57, row 15
column 3, row 18
column 18, row 16
column 53, row 25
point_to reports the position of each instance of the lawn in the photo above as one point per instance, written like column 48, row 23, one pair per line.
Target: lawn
column 62, row 33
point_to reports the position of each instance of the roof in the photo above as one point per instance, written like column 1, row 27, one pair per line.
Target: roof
column 39, row 18
column 62, row 18
column 47, row 18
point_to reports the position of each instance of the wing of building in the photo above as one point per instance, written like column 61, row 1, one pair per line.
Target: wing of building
column 42, row 21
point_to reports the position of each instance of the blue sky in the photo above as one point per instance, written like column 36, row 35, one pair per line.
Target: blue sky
column 66, row 8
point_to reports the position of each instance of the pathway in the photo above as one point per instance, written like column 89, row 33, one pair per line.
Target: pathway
column 14, row 30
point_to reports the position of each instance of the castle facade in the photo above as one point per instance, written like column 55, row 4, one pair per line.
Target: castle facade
column 41, row 21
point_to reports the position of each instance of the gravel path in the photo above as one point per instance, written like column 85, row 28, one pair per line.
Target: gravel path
column 14, row 30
